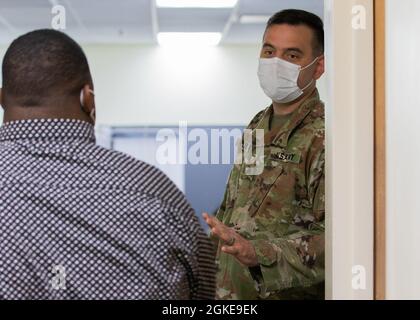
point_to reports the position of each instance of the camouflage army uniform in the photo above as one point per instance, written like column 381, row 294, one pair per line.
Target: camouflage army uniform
column 281, row 212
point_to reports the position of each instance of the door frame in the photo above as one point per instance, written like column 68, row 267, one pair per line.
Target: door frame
column 380, row 150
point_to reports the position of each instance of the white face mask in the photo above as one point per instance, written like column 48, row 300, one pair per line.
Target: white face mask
column 278, row 78
column 92, row 112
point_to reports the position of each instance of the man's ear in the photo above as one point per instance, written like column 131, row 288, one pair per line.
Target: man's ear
column 87, row 99
column 320, row 67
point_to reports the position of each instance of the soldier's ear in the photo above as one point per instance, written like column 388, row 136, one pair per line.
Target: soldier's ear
column 320, row 67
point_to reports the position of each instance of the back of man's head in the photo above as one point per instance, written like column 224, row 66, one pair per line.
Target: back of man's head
column 40, row 67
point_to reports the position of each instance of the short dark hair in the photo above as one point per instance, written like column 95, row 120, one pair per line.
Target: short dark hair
column 296, row 17
column 42, row 64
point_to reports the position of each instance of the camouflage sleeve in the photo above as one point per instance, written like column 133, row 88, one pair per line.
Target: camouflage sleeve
column 298, row 259
column 226, row 198
column 234, row 175
column 219, row 215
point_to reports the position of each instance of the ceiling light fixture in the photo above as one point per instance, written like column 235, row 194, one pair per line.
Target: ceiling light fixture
column 196, row 3
column 251, row 19
column 182, row 39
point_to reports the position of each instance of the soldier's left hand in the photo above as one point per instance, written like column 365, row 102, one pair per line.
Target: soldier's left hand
column 234, row 243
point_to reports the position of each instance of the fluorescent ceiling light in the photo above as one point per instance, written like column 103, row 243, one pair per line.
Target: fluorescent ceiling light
column 196, row 3
column 248, row 19
column 189, row 38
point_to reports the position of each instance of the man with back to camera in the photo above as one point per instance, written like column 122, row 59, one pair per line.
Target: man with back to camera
column 269, row 229
column 79, row 221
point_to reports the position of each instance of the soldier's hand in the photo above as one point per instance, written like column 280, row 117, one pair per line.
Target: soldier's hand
column 234, row 243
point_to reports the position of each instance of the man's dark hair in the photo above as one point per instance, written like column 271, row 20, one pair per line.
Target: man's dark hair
column 300, row 17
column 42, row 65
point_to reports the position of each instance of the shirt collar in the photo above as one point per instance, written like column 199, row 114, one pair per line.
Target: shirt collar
column 47, row 129
column 281, row 138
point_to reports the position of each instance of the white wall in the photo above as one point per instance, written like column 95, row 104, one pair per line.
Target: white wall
column 155, row 85
column 151, row 85
column 403, row 149
column 349, row 146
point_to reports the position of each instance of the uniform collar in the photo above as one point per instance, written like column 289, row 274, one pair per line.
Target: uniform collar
column 47, row 129
column 281, row 138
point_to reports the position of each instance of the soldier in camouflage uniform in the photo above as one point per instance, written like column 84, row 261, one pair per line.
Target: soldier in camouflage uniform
column 269, row 230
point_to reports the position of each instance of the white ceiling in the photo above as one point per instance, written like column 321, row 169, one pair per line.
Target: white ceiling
column 137, row 21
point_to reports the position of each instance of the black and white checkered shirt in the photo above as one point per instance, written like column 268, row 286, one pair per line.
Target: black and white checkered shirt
column 78, row 221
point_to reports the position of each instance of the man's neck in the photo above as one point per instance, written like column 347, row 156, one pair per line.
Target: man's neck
column 281, row 109
column 16, row 113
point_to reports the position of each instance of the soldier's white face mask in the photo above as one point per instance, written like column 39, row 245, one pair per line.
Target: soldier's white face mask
column 92, row 112
column 279, row 79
